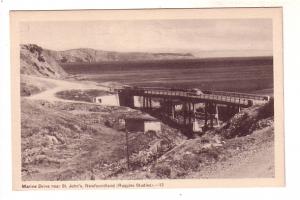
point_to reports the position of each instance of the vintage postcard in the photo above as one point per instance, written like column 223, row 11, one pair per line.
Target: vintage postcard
column 150, row 98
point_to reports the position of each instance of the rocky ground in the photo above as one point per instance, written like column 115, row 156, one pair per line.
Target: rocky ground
column 251, row 156
column 227, row 152
column 76, row 140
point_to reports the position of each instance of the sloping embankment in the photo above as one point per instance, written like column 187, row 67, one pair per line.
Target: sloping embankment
column 242, row 148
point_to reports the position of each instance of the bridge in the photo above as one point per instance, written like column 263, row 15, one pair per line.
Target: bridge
column 188, row 109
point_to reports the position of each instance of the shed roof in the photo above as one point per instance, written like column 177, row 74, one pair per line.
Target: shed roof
column 141, row 118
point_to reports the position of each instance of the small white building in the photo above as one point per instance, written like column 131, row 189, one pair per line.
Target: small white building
column 152, row 126
column 108, row 100
column 135, row 124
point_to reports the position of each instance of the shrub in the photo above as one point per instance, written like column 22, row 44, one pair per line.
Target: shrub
column 41, row 59
column 108, row 124
column 63, row 60
column 163, row 171
column 211, row 154
column 189, row 162
column 35, row 48
column 266, row 110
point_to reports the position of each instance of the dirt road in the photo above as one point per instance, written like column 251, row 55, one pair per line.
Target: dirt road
column 56, row 85
column 257, row 160
column 249, row 164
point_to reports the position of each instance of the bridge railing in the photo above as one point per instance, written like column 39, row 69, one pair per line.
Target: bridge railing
column 183, row 92
column 165, row 89
column 229, row 99
column 242, row 95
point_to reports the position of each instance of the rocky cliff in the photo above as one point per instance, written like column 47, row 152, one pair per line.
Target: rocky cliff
column 34, row 60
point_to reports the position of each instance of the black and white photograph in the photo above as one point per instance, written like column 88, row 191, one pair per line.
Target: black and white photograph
column 152, row 95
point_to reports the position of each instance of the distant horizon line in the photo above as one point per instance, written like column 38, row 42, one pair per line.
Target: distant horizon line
column 192, row 51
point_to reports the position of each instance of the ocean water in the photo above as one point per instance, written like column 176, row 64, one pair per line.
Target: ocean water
column 230, row 74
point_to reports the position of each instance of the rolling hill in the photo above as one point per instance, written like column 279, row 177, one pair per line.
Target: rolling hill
column 38, row 61
column 86, row 55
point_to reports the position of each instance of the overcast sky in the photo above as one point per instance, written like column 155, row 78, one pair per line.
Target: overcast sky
column 209, row 35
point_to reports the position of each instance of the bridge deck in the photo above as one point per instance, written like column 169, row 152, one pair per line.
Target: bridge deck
column 200, row 97
column 188, row 96
column 222, row 97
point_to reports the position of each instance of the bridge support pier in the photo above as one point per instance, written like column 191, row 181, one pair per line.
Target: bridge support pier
column 193, row 108
column 189, row 113
column 150, row 103
column 205, row 117
column 211, row 116
column 172, row 110
column 184, row 113
column 217, row 114
column 147, row 105
column 144, row 102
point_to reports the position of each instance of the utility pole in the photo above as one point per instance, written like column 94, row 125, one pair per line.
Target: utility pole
column 127, row 149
